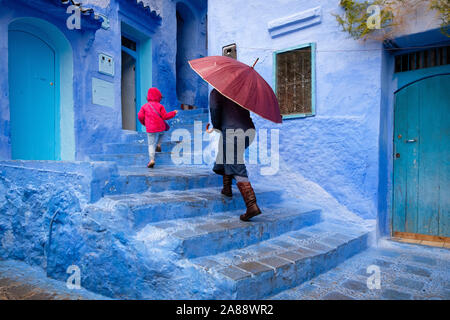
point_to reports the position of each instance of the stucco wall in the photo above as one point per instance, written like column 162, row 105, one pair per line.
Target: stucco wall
column 338, row 148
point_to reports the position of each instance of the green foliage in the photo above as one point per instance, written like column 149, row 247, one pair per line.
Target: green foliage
column 392, row 15
column 354, row 21
column 443, row 7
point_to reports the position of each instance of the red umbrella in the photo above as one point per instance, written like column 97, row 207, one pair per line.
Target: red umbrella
column 240, row 83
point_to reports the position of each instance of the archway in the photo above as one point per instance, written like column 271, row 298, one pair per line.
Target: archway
column 40, row 69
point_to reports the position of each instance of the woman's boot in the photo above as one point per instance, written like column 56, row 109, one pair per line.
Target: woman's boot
column 227, row 181
column 250, row 200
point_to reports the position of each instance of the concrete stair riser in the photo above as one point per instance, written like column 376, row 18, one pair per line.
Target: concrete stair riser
column 129, row 184
column 133, row 148
column 162, row 158
column 192, row 207
column 237, row 234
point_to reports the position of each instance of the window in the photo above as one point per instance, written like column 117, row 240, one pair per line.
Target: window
column 422, row 59
column 294, row 79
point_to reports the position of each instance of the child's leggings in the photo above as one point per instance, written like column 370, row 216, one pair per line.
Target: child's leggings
column 154, row 139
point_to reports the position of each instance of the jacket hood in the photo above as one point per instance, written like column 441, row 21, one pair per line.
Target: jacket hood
column 154, row 95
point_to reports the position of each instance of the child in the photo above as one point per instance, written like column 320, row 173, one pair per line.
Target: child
column 153, row 115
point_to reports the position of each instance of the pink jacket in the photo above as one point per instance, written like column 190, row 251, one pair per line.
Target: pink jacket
column 147, row 115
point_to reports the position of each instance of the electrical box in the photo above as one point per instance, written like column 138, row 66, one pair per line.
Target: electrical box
column 106, row 64
column 230, row 51
column 102, row 93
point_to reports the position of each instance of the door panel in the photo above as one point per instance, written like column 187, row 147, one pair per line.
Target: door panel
column 32, row 97
column 129, row 109
column 421, row 172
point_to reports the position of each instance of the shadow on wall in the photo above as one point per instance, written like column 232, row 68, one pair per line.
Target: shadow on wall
column 191, row 44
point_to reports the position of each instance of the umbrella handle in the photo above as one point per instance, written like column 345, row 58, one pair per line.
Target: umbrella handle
column 209, row 130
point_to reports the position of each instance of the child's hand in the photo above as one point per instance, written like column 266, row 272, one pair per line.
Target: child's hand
column 176, row 111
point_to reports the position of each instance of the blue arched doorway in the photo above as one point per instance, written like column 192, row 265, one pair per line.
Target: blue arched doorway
column 40, row 71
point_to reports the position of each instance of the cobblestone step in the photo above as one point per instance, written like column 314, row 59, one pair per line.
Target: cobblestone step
column 277, row 264
column 151, row 207
column 209, row 235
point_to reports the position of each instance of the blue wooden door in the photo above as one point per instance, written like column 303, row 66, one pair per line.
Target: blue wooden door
column 32, row 97
column 422, row 158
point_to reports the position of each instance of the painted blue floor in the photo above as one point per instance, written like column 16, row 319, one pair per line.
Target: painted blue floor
column 407, row 272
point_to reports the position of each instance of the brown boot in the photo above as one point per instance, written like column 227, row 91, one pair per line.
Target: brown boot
column 158, row 148
column 227, row 181
column 250, row 201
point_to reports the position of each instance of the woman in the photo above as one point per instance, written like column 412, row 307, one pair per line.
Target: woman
column 229, row 117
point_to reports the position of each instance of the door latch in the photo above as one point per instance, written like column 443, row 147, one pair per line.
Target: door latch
column 411, row 141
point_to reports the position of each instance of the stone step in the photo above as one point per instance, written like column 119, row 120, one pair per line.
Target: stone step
column 213, row 234
column 141, row 159
column 161, row 178
column 266, row 268
column 136, row 147
column 140, row 137
column 189, row 119
column 149, row 207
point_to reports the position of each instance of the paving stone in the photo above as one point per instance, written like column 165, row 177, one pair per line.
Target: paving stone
column 234, row 273
column 342, row 237
column 20, row 291
column 355, row 285
column 395, row 295
column 254, row 267
column 210, row 227
column 6, row 282
column 336, row 296
column 275, row 262
column 185, row 234
column 318, row 247
column 306, row 252
column 207, row 263
column 382, row 263
column 417, row 271
column 283, row 244
column 293, row 256
column 424, row 260
column 388, row 253
column 300, row 236
column 409, row 283
column 41, row 295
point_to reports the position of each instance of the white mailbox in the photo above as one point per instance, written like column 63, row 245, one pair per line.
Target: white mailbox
column 106, row 64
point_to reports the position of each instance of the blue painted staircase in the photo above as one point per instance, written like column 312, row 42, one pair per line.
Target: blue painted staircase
column 179, row 238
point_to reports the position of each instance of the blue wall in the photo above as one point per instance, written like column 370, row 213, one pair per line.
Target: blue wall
column 93, row 124
column 338, row 148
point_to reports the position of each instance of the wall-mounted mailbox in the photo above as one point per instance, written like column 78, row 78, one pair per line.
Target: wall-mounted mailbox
column 230, row 51
column 106, row 64
column 102, row 93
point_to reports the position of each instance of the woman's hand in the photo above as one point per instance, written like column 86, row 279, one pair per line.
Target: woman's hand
column 208, row 129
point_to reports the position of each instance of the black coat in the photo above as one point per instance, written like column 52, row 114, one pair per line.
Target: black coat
column 226, row 114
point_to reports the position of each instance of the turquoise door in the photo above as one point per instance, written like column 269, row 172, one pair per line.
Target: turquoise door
column 32, row 97
column 422, row 158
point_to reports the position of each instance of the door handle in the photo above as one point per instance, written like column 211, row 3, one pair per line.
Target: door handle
column 411, row 141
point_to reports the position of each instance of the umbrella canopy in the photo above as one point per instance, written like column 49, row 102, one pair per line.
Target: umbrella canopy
column 239, row 83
